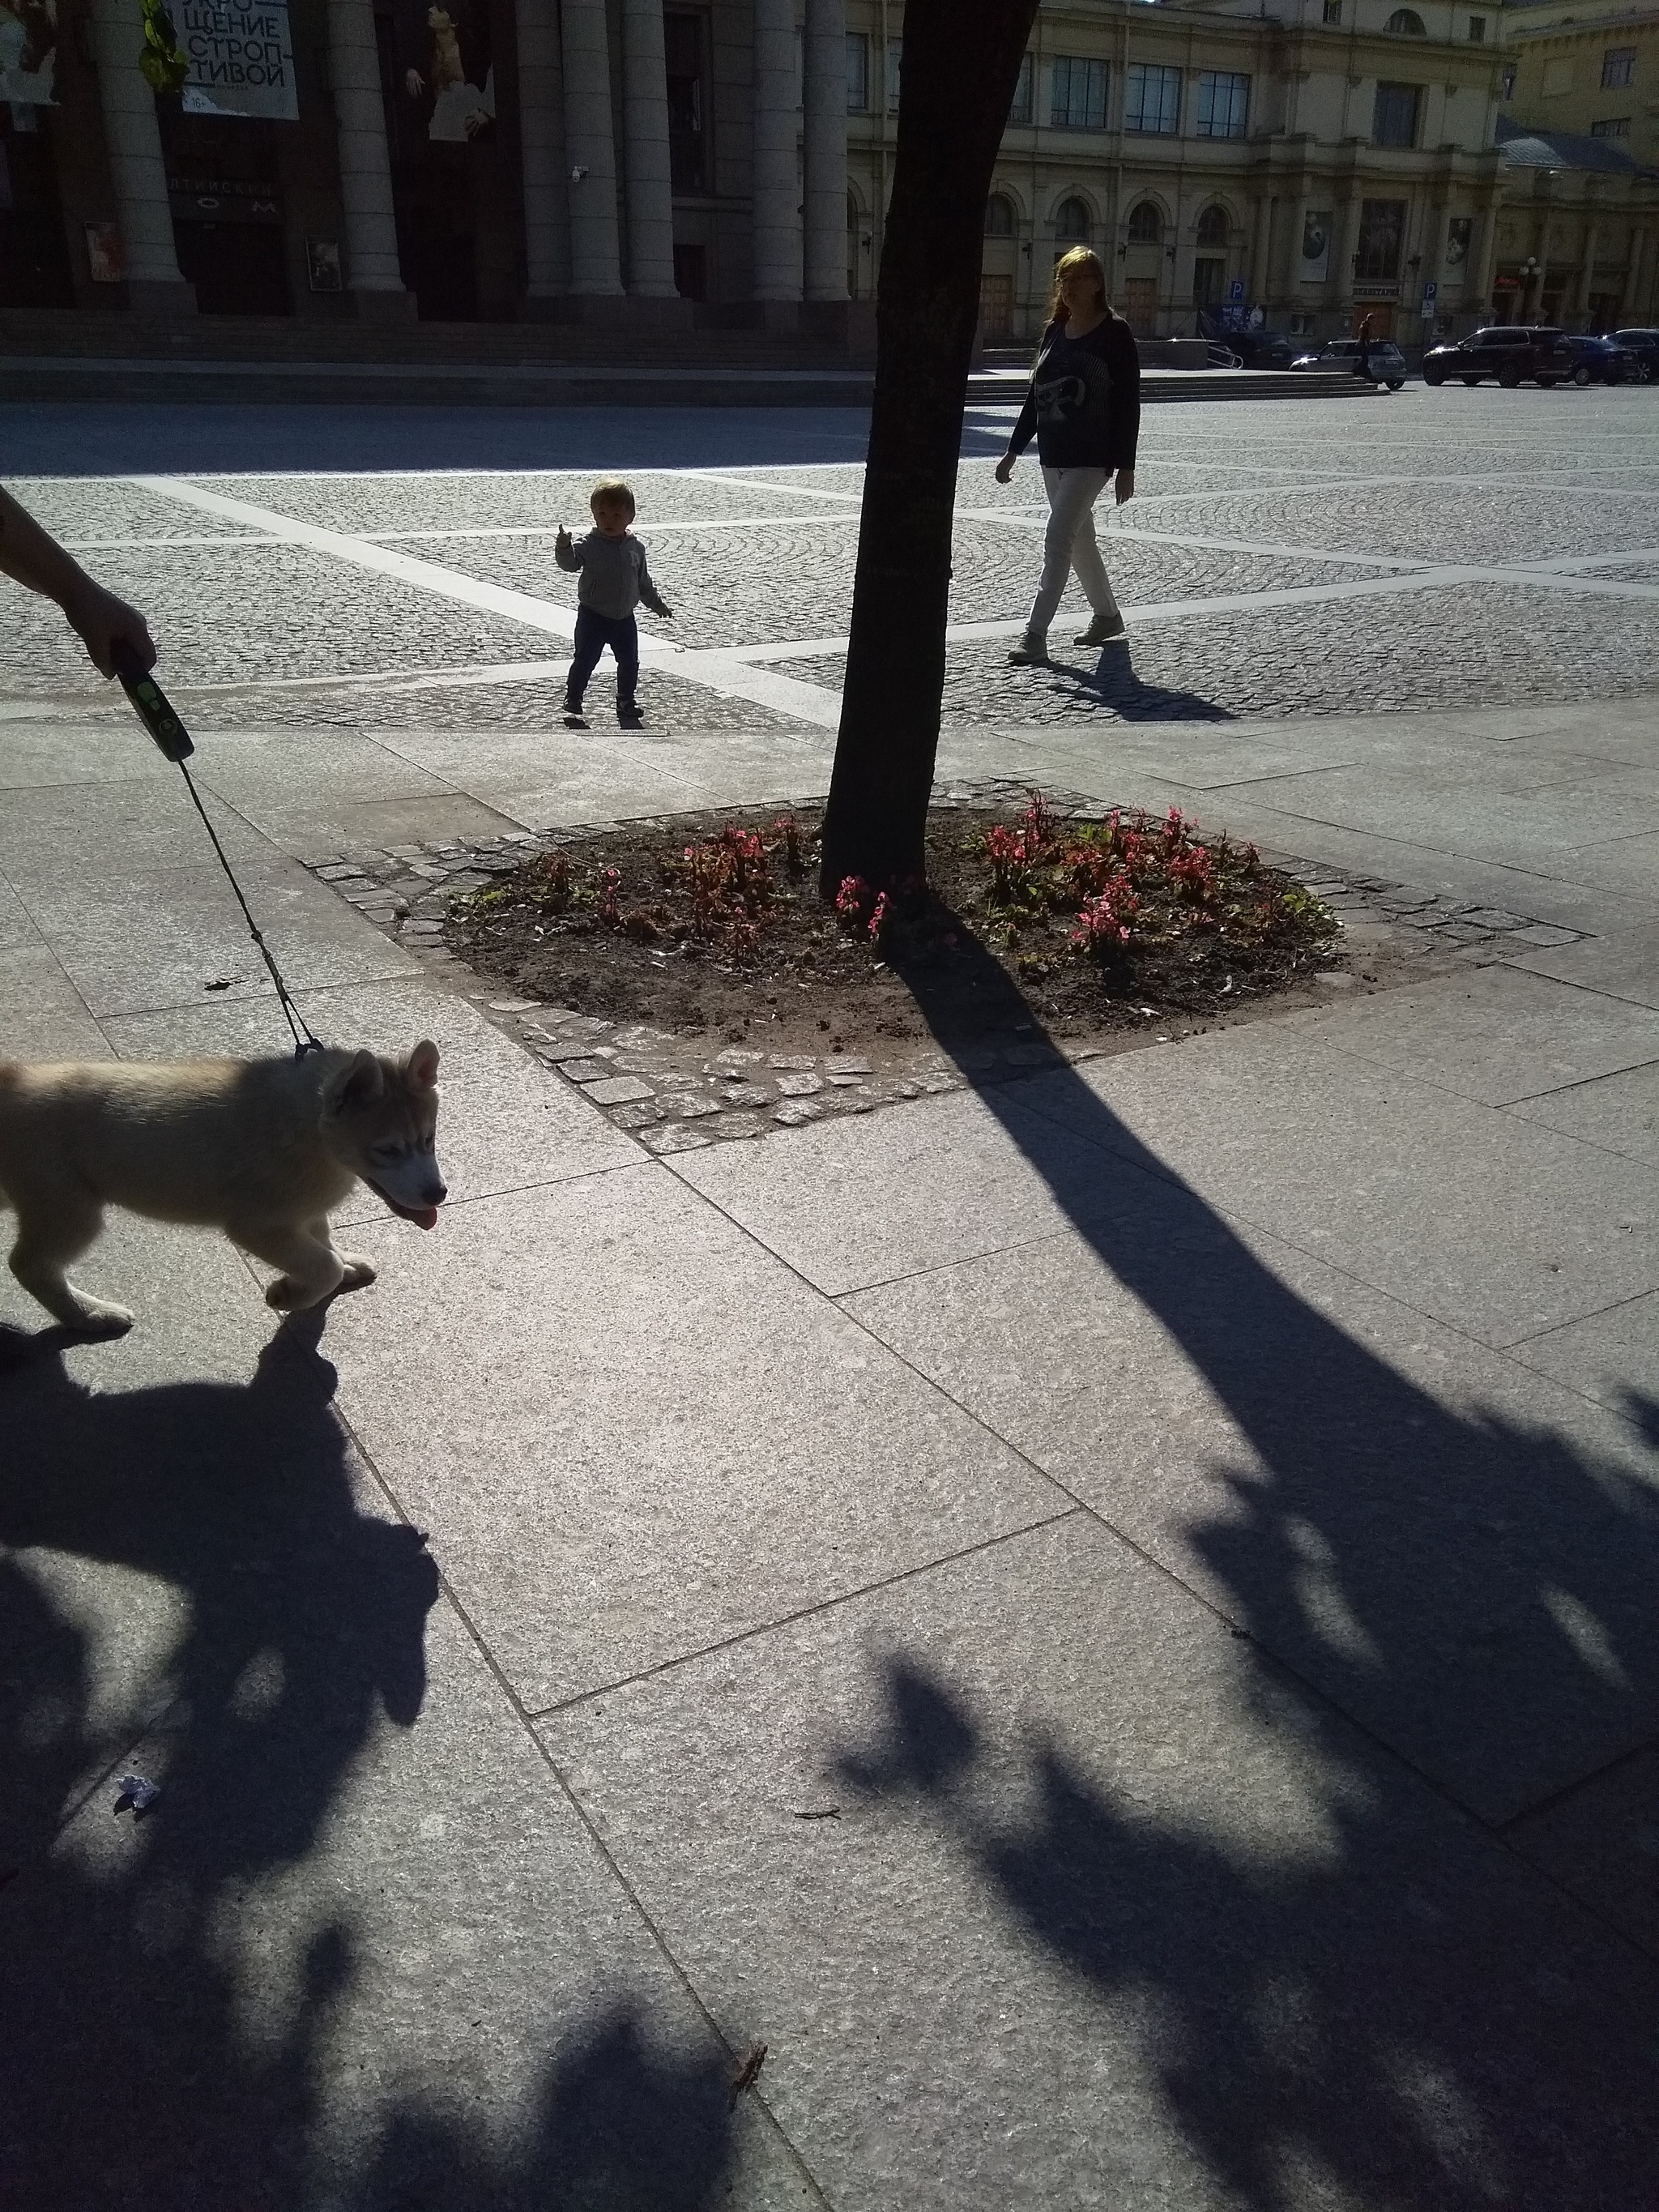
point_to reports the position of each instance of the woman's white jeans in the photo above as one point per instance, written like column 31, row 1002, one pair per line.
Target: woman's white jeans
column 1069, row 542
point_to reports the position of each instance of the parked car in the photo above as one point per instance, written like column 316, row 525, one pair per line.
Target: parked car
column 1261, row 349
column 1599, row 360
column 1509, row 351
column 1643, row 347
column 1386, row 364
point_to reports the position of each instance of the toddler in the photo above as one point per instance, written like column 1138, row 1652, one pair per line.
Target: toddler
column 615, row 579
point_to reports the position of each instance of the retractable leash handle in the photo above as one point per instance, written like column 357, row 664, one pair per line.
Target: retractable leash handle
column 151, row 704
column 155, row 710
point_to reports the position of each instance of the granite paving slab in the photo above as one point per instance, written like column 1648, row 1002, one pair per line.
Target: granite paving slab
column 1609, row 1356
column 1459, row 1557
column 1600, row 1842
column 1044, row 1890
column 1624, row 965
column 368, row 1953
column 70, row 747
column 1619, row 1111
column 633, row 1434
column 111, row 832
column 138, row 943
column 32, row 982
column 1497, row 1035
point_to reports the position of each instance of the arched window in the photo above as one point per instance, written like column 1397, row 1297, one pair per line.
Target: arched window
column 1072, row 222
column 999, row 216
column 1145, row 224
column 1212, row 226
column 1407, row 23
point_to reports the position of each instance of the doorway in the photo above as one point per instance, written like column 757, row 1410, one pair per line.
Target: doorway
column 237, row 267
column 1382, row 318
column 996, row 307
column 1140, row 305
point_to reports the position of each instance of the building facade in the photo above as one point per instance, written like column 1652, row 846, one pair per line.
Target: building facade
column 1591, row 70
column 650, row 164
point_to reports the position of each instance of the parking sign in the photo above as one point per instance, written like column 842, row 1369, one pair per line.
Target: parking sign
column 1430, row 289
column 1235, row 289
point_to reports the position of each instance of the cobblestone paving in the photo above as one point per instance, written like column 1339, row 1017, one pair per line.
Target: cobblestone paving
column 1485, row 480
column 384, row 709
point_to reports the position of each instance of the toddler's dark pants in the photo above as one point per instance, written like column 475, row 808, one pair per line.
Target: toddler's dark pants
column 594, row 633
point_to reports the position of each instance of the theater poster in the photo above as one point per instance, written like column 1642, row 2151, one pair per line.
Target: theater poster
column 1316, row 246
column 241, row 59
column 447, row 73
column 28, row 52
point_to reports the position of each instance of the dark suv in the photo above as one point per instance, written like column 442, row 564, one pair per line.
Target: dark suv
column 1509, row 351
column 1643, row 347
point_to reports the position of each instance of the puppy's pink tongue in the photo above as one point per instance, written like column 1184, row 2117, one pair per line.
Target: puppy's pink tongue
column 424, row 1217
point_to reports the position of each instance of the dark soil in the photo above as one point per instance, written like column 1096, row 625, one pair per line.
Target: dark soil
column 658, row 942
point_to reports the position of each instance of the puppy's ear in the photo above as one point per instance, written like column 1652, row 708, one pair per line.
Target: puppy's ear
column 421, row 1065
column 357, row 1084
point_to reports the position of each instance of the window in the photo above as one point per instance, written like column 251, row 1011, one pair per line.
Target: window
column 1152, row 102
column 1611, row 126
column 1209, row 282
column 1072, row 222
column 999, row 216
column 1145, row 224
column 1407, row 23
column 1223, row 104
column 895, row 73
column 858, row 73
column 1459, row 234
column 1618, row 68
column 1212, row 226
column 1477, row 30
column 687, row 135
column 1021, row 110
column 1333, row 11
column 1393, row 119
column 1080, row 95
column 691, row 271
column 1381, row 229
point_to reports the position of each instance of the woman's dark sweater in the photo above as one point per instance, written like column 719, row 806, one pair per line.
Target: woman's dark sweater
column 1083, row 406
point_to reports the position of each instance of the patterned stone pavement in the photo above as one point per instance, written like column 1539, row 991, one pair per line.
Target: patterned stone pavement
column 1407, row 552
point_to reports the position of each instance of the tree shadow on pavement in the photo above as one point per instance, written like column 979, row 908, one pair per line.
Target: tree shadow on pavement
column 286, row 1622
column 1474, row 1592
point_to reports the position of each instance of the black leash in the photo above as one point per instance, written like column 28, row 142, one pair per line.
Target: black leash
column 155, row 710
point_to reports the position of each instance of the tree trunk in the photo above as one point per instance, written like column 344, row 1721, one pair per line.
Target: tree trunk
column 962, row 62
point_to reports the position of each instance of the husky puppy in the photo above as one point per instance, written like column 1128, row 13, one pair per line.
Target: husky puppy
column 262, row 1149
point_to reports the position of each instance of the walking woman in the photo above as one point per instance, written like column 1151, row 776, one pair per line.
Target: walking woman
column 1084, row 408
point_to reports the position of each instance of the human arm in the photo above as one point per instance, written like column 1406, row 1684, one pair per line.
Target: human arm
column 32, row 557
column 1026, row 428
column 566, row 554
column 1124, row 364
column 648, row 594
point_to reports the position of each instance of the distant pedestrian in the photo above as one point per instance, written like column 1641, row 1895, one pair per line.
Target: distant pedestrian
column 1362, row 366
column 615, row 579
column 1084, row 408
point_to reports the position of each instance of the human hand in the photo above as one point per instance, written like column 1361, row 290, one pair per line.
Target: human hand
column 1126, row 486
column 667, row 613
column 562, row 537
column 102, row 622
column 1005, row 469
column 414, row 84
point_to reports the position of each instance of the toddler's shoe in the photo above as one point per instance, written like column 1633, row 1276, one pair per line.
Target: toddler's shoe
column 573, row 717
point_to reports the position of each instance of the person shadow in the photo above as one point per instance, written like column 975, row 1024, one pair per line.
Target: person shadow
column 1103, row 680
column 262, row 1622
column 1473, row 1592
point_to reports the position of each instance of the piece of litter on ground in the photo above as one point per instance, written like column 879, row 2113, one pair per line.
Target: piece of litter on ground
column 513, row 1005
column 816, row 1811
column 747, row 2072
column 138, row 1792
column 220, row 984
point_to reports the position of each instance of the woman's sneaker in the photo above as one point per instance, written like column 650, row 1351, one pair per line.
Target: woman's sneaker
column 1032, row 647
column 1104, row 629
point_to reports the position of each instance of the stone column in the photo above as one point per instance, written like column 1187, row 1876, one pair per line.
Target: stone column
column 645, row 130
column 1630, row 302
column 776, row 180
column 372, row 272
column 139, row 173
column 541, row 128
column 1587, row 274
column 1348, row 249
column 826, row 150
column 1261, row 281
column 590, row 147
column 1486, row 266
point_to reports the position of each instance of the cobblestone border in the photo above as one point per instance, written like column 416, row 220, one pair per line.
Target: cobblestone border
column 640, row 1076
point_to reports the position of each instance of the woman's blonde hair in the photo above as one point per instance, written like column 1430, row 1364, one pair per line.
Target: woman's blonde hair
column 1075, row 264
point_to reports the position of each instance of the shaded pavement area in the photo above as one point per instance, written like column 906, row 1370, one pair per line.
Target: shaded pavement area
column 1106, row 1619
